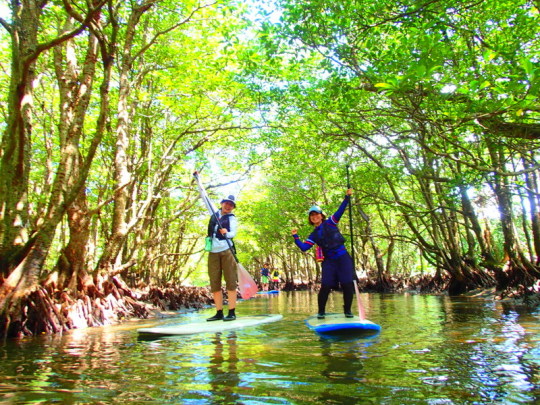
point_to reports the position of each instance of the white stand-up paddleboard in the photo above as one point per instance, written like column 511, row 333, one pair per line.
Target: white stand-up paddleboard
column 338, row 324
column 210, row 327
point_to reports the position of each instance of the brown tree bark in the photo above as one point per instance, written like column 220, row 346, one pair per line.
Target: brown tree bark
column 532, row 193
column 470, row 214
column 122, row 174
column 16, row 140
column 518, row 270
column 22, row 263
column 382, row 284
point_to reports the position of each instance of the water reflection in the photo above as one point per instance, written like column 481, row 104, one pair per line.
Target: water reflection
column 431, row 350
column 343, row 364
column 223, row 370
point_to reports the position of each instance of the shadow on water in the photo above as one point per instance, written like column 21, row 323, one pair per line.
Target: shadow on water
column 431, row 350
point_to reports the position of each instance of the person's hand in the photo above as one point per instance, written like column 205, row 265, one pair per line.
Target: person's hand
column 223, row 231
column 349, row 191
column 294, row 231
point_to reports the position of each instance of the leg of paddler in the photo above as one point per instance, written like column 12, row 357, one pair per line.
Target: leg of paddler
column 218, row 301
column 324, row 292
column 231, row 316
column 348, row 292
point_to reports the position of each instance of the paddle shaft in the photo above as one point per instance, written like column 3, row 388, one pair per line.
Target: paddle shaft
column 361, row 312
column 214, row 213
column 350, row 219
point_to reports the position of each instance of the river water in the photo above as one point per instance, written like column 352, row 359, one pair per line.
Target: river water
column 431, row 350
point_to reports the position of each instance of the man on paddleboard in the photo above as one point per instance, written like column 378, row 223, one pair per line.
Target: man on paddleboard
column 265, row 273
column 221, row 261
column 337, row 264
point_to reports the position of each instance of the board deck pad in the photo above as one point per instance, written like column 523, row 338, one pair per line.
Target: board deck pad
column 339, row 324
column 203, row 326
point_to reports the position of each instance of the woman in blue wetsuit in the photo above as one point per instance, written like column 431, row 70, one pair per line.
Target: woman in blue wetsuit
column 337, row 266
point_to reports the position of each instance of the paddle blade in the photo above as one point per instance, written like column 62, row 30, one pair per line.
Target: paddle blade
column 246, row 285
column 361, row 312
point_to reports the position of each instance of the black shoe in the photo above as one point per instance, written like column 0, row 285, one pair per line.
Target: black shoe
column 320, row 315
column 348, row 314
column 231, row 316
column 217, row 317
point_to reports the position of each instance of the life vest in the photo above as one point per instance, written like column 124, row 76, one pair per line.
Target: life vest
column 224, row 220
column 327, row 237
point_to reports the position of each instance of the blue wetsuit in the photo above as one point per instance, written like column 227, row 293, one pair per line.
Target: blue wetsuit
column 337, row 266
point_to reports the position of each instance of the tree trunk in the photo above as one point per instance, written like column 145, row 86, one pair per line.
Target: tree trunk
column 23, row 280
column 73, row 258
column 16, row 140
column 25, row 266
column 382, row 284
column 75, row 84
column 470, row 214
column 123, row 177
column 532, row 192
column 517, row 270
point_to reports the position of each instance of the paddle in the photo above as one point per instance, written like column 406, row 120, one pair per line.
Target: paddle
column 361, row 312
column 246, row 285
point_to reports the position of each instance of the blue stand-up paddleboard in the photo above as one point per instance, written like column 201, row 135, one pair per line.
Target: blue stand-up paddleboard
column 204, row 326
column 269, row 292
column 338, row 324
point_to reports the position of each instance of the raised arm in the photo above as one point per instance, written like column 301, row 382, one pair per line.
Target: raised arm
column 308, row 244
column 341, row 210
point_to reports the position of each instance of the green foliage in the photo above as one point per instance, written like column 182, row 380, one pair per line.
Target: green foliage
column 411, row 94
column 271, row 102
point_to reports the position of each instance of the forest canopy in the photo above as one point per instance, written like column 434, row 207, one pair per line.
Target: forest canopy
column 109, row 106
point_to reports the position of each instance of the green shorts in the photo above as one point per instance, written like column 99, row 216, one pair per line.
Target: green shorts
column 264, row 279
column 220, row 265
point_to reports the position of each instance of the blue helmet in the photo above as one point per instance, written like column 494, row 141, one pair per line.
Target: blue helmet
column 315, row 208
